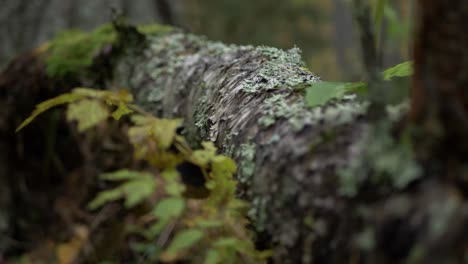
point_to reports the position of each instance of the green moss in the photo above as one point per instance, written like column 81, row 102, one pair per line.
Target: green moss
column 154, row 29
column 73, row 50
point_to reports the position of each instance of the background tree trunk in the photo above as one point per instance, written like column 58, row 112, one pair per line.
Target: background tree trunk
column 440, row 100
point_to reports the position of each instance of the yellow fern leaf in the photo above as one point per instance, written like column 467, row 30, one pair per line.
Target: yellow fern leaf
column 88, row 113
column 46, row 105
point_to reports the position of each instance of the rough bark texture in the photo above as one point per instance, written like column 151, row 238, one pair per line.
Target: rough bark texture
column 245, row 100
column 298, row 165
column 319, row 191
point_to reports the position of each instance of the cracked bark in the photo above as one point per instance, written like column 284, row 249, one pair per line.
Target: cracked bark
column 249, row 102
column 286, row 166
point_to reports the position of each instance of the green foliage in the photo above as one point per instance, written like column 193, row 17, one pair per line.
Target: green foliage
column 96, row 110
column 403, row 69
column 138, row 187
column 86, row 106
column 209, row 230
column 320, row 93
column 169, row 207
column 46, row 105
column 72, row 51
column 182, row 241
column 121, row 110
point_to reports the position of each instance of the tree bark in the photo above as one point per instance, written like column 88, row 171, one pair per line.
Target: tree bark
column 245, row 99
column 291, row 158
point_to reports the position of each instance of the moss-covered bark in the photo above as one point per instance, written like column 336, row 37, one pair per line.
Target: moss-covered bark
column 246, row 100
column 297, row 165
column 317, row 179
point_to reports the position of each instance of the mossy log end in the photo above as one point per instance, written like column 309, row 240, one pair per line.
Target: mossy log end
column 249, row 101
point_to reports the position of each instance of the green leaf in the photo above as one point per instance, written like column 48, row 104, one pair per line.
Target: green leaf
column 121, row 110
column 124, row 175
column 162, row 131
column 137, row 191
column 141, row 120
column 88, row 92
column 221, row 183
column 203, row 157
column 174, row 188
column 226, row 242
column 165, row 130
column 122, row 95
column 212, row 257
column 78, row 112
column 183, row 241
column 401, row 70
column 320, row 93
column 88, row 113
column 223, row 166
column 111, row 97
column 46, row 105
column 209, row 146
column 157, row 227
column 105, row 197
column 137, row 187
column 170, row 175
column 169, row 207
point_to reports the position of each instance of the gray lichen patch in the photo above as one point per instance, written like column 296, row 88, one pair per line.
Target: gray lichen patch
column 281, row 69
column 289, row 57
column 278, row 106
column 246, row 157
column 295, row 110
column 378, row 158
column 201, row 116
column 258, row 212
column 172, row 52
column 247, row 102
column 166, row 53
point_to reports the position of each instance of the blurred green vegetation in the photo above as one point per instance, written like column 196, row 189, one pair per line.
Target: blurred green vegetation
column 323, row 29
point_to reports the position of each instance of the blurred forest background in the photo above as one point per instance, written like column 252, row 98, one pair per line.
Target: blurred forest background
column 323, row 29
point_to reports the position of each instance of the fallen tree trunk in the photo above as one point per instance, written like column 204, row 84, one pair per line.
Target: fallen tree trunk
column 312, row 176
column 247, row 100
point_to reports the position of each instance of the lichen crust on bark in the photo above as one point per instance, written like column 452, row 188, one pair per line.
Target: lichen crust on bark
column 244, row 99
